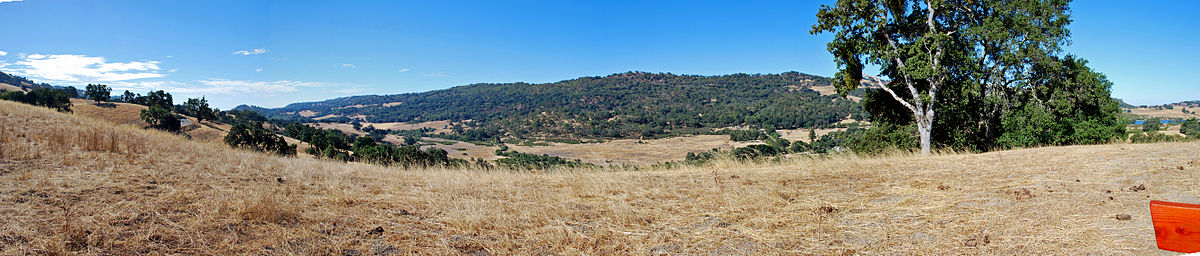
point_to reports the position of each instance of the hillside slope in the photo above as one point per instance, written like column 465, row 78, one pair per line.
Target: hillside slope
column 625, row 105
column 74, row 184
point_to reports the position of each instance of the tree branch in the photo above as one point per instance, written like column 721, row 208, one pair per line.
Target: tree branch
column 893, row 93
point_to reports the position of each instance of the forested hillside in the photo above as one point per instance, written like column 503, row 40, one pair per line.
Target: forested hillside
column 625, row 105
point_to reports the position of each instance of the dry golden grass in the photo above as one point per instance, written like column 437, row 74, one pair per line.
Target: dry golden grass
column 70, row 184
column 9, row 87
column 630, row 151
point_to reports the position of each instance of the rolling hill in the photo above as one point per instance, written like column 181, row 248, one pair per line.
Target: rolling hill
column 71, row 184
column 625, row 105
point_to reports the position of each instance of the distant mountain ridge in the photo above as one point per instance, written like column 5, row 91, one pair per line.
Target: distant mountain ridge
column 623, row 105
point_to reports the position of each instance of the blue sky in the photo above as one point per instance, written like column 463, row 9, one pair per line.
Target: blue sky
column 271, row 53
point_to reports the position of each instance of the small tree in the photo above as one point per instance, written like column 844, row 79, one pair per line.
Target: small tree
column 1191, row 127
column 199, row 109
column 129, row 97
column 160, row 118
column 97, row 92
column 252, row 136
column 159, row 98
column 1152, row 125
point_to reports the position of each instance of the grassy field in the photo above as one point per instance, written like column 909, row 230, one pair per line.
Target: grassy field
column 72, row 184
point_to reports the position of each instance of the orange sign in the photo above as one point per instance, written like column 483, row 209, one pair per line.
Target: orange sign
column 1176, row 226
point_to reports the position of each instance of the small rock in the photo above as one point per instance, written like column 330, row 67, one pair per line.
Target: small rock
column 971, row 242
column 1137, row 188
column 1180, row 168
column 943, row 187
column 1124, row 217
column 1076, row 180
column 1110, row 198
column 351, row 252
column 827, row 209
column 1108, row 191
column 280, row 179
column 376, row 231
column 1024, row 193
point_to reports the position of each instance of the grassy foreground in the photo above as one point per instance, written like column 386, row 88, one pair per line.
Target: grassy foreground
column 70, row 184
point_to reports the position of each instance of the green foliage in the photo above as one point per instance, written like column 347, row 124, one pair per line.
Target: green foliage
column 756, row 151
column 882, row 139
column 1154, row 137
column 333, row 144
column 97, row 92
column 1152, row 125
column 1191, row 127
column 746, row 135
column 154, row 98
column 199, row 109
column 254, row 137
column 995, row 65
column 523, row 161
column 1002, row 81
column 627, row 105
column 47, row 97
column 241, row 116
column 160, row 118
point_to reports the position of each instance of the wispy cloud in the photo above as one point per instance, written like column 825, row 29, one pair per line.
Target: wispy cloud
column 437, row 75
column 347, row 65
column 403, row 70
column 258, row 70
column 6, row 1
column 2, row 53
column 215, row 86
column 255, row 51
column 351, row 90
column 67, row 68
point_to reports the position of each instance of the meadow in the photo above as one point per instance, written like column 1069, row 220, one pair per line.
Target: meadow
column 73, row 184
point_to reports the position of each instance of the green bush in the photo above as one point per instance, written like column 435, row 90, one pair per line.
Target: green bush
column 252, row 136
column 160, row 118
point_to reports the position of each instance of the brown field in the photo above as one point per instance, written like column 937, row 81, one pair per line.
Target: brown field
column 437, row 126
column 76, row 185
column 802, row 134
column 344, row 127
column 1167, row 113
column 9, row 87
column 629, row 151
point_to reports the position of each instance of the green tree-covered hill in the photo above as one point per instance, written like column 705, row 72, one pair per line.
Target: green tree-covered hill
column 625, row 105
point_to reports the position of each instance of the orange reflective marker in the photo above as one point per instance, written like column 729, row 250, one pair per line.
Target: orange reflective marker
column 1176, row 226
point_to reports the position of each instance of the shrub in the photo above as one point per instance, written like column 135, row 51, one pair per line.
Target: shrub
column 160, row 118
column 252, row 136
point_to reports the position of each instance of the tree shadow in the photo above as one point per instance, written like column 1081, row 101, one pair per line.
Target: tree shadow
column 106, row 105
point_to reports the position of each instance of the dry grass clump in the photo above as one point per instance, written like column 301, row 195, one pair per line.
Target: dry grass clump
column 64, row 190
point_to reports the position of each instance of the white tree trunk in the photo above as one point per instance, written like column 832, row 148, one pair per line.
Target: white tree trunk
column 924, row 128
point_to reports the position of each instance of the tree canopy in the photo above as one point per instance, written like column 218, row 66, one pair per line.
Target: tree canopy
column 964, row 73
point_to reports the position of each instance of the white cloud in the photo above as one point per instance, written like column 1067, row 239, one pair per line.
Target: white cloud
column 223, row 86
column 403, row 70
column 255, row 51
column 214, row 86
column 69, row 68
column 347, row 65
column 172, row 70
column 438, row 75
column 6, row 1
column 2, row 53
column 258, row 70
